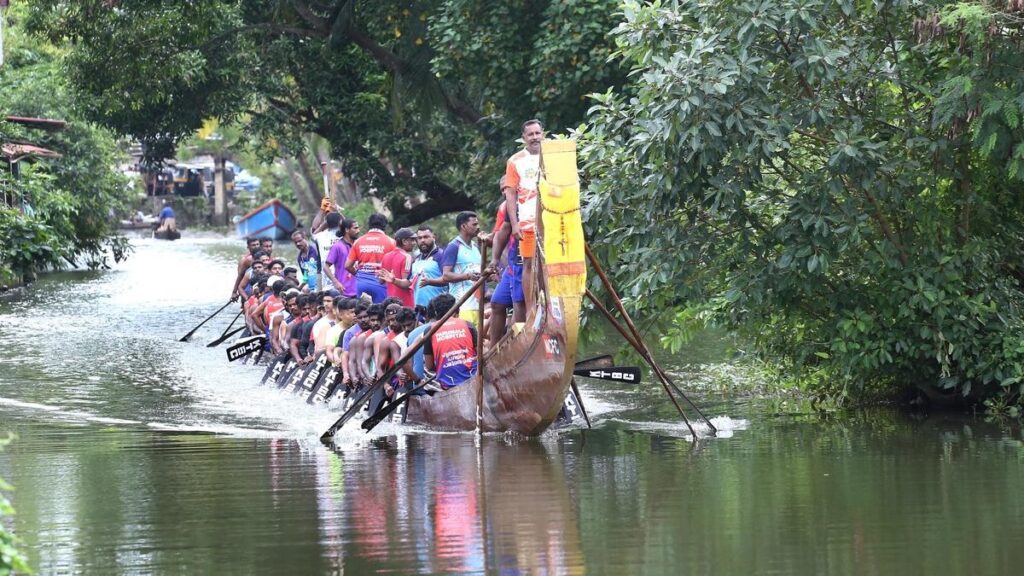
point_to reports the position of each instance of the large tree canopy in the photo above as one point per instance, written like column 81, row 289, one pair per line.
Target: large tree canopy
column 421, row 101
column 839, row 180
column 61, row 210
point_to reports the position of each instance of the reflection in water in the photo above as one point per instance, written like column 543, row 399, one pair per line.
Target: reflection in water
column 422, row 501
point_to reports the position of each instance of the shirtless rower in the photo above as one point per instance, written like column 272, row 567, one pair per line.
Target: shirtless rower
column 324, row 324
column 345, row 317
column 390, row 349
column 349, row 377
column 263, row 259
column 281, row 325
column 522, row 175
column 297, row 327
column 244, row 263
column 371, row 346
column 362, row 346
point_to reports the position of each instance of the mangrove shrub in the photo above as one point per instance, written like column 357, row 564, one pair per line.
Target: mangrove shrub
column 64, row 210
column 839, row 181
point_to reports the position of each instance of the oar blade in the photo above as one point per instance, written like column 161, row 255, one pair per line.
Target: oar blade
column 627, row 374
column 224, row 337
column 186, row 337
column 246, row 346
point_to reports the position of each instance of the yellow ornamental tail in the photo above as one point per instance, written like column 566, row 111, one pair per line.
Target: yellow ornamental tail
column 561, row 237
column 563, row 241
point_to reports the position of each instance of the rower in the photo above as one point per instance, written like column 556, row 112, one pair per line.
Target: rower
column 308, row 260
column 267, row 245
column 396, row 267
column 334, row 266
column 426, row 270
column 349, row 377
column 252, row 245
column 325, row 323
column 509, row 291
column 522, row 175
column 167, row 222
column 461, row 264
column 371, row 347
column 388, row 349
column 280, row 329
column 276, row 267
column 366, row 255
column 451, row 351
column 361, row 349
column 345, row 317
column 253, row 301
column 414, row 370
column 243, row 287
column 313, row 313
column 275, row 306
column 295, row 329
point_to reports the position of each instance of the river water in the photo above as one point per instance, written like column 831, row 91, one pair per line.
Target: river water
column 138, row 454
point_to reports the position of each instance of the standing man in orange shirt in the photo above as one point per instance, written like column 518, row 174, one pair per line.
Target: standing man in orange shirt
column 522, row 173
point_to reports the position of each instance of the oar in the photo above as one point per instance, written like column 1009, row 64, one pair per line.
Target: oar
column 579, row 401
column 480, row 352
column 637, row 342
column 602, row 361
column 386, row 410
column 224, row 337
column 233, row 320
column 186, row 337
column 409, row 352
column 628, row 374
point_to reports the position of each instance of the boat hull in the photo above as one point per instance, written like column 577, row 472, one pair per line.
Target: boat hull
column 527, row 375
column 166, row 234
column 271, row 220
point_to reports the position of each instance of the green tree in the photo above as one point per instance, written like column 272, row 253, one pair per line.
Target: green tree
column 421, row 101
column 839, row 181
column 71, row 199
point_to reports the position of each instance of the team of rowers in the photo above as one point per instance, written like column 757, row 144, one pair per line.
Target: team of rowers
column 364, row 299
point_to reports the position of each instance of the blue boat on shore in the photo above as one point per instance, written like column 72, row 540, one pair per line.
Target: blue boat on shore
column 271, row 220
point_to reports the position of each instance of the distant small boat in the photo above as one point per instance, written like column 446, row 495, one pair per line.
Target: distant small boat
column 271, row 220
column 166, row 234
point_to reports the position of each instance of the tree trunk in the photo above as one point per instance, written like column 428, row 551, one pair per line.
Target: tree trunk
column 441, row 199
column 307, row 204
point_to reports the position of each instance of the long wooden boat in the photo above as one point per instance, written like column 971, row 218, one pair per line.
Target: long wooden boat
column 527, row 375
column 271, row 219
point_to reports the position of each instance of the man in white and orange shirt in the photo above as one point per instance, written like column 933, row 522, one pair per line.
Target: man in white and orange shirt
column 522, row 173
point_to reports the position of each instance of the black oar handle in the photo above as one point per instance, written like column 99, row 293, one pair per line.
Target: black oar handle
column 409, row 352
column 193, row 331
column 378, row 416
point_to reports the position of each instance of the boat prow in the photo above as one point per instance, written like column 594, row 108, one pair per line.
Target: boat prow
column 526, row 375
column 271, row 220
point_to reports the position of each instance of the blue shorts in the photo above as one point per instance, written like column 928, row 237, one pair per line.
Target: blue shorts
column 510, row 287
column 502, row 295
column 372, row 286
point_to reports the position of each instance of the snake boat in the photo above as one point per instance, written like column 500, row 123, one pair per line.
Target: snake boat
column 526, row 376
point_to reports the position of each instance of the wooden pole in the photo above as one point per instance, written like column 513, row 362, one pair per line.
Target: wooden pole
column 480, row 346
column 638, row 342
column 643, row 354
column 220, row 213
column 327, row 187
